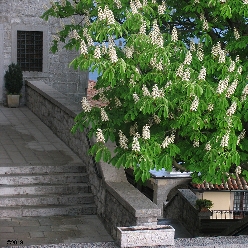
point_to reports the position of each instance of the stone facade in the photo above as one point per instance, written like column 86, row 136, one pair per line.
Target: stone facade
column 118, row 202
column 24, row 15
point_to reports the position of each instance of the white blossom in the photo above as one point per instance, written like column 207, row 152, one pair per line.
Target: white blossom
column 244, row 93
column 199, row 52
column 157, row 92
column 118, row 4
column 104, row 48
column 145, row 91
column 85, row 105
column 155, row 35
column 123, row 140
column 171, row 116
column 186, row 75
column 99, row 136
column 236, row 33
column 83, row 48
column 133, row 7
column 223, row 84
column 56, row 37
column 104, row 116
column 162, row 8
column 180, row 71
column 117, row 102
column 146, row 132
column 143, row 28
column 208, row 146
column 240, row 69
column 210, row 107
column 109, row 15
column 168, row 140
column 192, row 46
column 88, row 37
column 241, row 136
column 231, row 89
column 216, row 49
column 196, row 143
column 232, row 66
column 156, row 119
column 133, row 129
column 222, row 58
column 97, row 52
column 188, row 58
column 232, row 109
column 202, row 74
column 168, row 84
column 225, row 140
column 245, row 1
column 112, row 54
column 194, row 104
column 135, row 144
column 129, row 51
column 174, row 36
column 106, row 14
column 238, row 170
column 135, row 97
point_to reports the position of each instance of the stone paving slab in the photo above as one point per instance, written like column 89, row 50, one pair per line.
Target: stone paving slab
column 24, row 139
column 52, row 230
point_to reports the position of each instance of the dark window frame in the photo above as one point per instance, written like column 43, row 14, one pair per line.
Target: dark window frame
column 30, row 50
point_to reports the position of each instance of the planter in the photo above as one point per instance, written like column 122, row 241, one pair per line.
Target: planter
column 145, row 235
column 13, row 101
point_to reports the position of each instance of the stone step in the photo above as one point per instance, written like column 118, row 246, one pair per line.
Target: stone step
column 52, row 199
column 53, row 210
column 41, row 168
column 72, row 188
column 55, row 178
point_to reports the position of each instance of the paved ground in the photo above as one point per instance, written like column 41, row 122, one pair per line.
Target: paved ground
column 25, row 139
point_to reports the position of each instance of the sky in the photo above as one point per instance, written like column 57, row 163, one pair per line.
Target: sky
column 93, row 76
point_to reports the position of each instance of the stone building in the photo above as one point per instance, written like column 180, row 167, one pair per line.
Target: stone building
column 26, row 39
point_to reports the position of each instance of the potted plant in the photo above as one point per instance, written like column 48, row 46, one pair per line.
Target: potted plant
column 13, row 84
column 203, row 204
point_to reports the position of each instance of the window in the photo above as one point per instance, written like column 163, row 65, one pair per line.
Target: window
column 240, row 201
column 30, row 50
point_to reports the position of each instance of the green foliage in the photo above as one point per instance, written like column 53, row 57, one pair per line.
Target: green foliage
column 13, row 79
column 203, row 203
column 172, row 78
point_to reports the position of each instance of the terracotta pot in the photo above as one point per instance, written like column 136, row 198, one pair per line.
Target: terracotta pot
column 13, row 101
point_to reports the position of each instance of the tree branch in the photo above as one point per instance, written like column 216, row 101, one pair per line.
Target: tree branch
column 179, row 166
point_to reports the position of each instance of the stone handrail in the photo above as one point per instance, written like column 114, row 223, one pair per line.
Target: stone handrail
column 118, row 202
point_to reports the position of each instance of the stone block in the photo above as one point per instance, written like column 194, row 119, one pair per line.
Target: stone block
column 145, row 235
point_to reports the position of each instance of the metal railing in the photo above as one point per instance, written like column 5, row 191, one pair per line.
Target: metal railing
column 228, row 214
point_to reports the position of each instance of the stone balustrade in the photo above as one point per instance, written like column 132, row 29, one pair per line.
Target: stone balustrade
column 119, row 204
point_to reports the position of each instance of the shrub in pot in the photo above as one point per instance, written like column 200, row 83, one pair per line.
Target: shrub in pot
column 13, row 84
column 203, row 204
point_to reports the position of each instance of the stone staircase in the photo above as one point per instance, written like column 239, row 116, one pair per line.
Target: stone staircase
column 45, row 190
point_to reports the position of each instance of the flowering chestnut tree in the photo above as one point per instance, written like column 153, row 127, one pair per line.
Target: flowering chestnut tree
column 172, row 80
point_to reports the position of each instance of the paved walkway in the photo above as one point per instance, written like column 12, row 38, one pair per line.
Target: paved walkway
column 25, row 139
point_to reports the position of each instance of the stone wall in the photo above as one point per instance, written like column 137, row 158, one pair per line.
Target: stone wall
column 118, row 202
column 182, row 208
column 25, row 15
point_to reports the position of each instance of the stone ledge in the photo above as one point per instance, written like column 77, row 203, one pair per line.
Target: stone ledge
column 57, row 98
column 136, row 203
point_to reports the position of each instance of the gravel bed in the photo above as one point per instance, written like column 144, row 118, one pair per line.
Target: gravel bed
column 206, row 242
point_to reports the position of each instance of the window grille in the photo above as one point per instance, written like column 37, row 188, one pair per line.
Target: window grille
column 240, row 201
column 30, row 50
